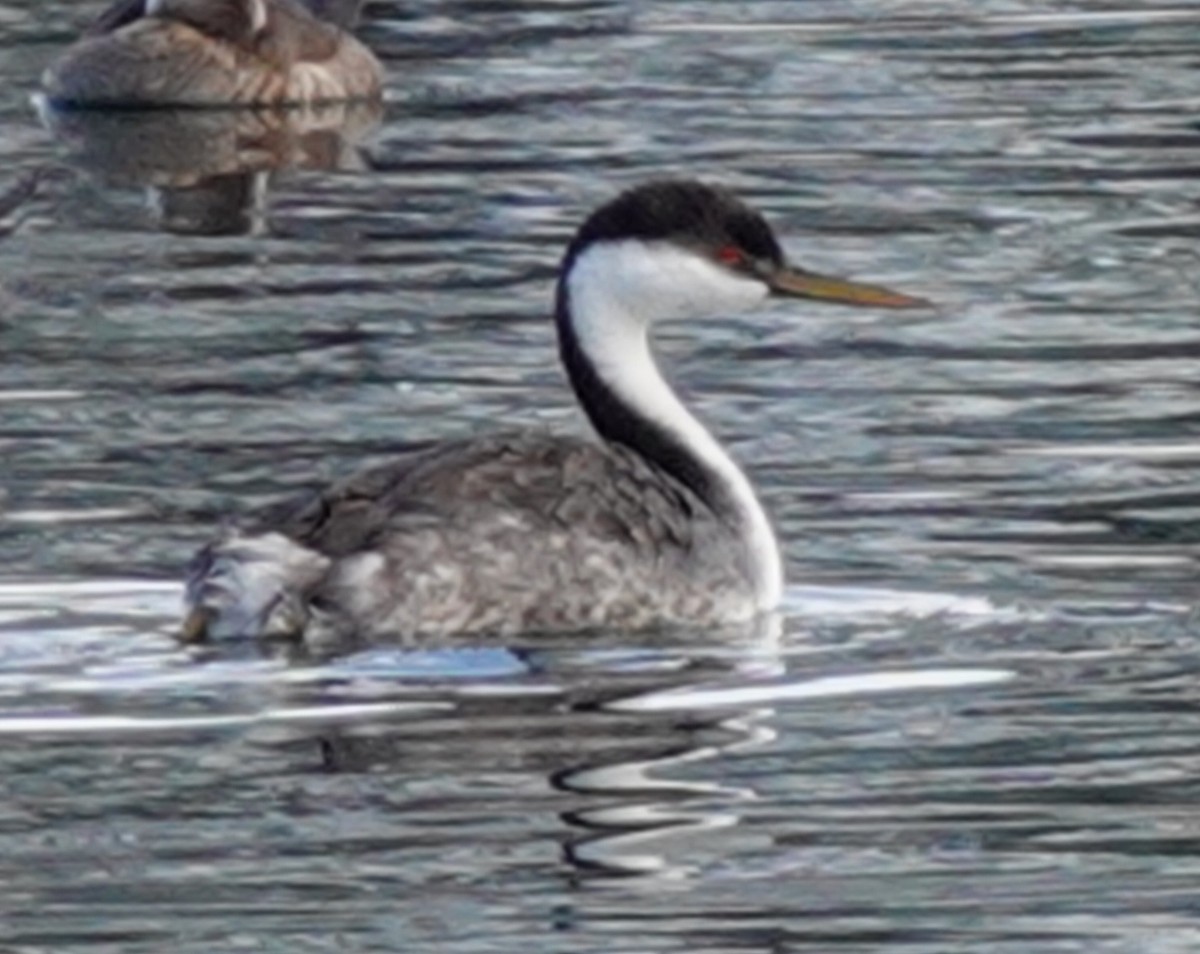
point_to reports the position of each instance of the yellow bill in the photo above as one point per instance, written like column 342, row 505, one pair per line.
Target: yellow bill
column 800, row 284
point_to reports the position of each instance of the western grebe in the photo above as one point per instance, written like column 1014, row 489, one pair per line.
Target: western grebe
column 142, row 53
column 652, row 525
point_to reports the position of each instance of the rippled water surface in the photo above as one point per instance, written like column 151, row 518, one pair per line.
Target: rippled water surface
column 973, row 730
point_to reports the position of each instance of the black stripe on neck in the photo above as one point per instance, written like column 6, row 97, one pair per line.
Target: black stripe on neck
column 619, row 423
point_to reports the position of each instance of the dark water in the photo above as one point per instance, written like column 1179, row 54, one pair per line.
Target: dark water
column 974, row 730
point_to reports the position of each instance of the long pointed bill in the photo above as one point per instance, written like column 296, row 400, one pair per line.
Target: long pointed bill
column 797, row 284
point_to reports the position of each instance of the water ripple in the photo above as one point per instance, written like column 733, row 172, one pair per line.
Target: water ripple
column 972, row 727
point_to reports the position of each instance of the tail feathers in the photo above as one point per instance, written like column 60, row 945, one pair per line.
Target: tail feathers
column 250, row 586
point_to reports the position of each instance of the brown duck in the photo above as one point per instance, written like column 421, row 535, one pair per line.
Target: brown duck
column 144, row 53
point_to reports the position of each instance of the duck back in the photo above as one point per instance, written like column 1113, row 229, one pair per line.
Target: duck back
column 212, row 53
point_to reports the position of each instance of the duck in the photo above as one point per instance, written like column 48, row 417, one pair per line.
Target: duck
column 647, row 523
column 164, row 53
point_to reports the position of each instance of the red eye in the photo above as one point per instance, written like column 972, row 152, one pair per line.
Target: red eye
column 730, row 255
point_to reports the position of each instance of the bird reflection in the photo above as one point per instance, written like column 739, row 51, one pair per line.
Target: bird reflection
column 208, row 171
column 16, row 195
column 653, row 816
column 625, row 792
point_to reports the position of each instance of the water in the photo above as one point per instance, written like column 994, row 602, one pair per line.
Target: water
column 972, row 731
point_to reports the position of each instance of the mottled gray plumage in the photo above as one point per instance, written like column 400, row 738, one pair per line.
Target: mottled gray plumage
column 574, row 534
column 651, row 525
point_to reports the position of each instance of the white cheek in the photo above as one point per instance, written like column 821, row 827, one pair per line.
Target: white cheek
column 713, row 289
column 658, row 280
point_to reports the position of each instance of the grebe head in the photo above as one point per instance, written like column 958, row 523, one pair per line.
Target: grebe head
column 680, row 249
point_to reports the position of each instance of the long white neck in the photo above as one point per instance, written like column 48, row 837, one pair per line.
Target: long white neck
column 610, row 297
